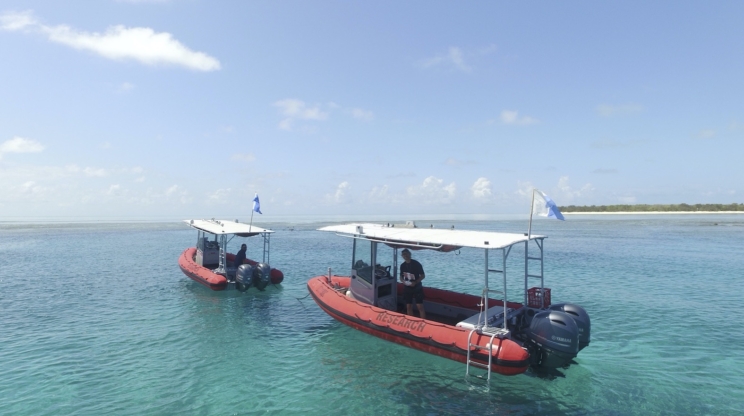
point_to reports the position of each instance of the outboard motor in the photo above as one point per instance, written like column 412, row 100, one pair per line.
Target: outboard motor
column 244, row 277
column 555, row 337
column 581, row 318
column 261, row 275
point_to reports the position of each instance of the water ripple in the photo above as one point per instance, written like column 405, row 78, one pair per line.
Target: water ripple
column 115, row 327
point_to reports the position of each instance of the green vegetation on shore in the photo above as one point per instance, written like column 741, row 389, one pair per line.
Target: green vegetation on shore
column 654, row 208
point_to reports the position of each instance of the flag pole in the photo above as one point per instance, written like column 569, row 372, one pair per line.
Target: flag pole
column 250, row 224
column 532, row 208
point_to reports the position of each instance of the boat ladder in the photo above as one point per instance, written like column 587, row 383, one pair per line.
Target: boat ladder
column 538, row 262
column 494, row 333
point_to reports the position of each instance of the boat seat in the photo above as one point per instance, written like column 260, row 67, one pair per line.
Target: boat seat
column 494, row 317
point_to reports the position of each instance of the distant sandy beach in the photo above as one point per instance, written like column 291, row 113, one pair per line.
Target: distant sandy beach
column 653, row 213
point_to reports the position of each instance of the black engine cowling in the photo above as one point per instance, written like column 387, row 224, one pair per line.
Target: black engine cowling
column 555, row 336
column 261, row 275
column 581, row 318
column 244, row 277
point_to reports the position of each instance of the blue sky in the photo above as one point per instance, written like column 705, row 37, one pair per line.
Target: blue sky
column 186, row 108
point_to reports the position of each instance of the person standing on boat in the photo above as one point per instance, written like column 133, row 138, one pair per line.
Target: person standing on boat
column 411, row 274
column 240, row 257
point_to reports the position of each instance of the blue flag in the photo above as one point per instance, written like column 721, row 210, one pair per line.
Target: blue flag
column 546, row 207
column 256, row 204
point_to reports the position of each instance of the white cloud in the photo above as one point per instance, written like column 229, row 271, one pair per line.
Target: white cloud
column 512, row 117
column 487, row 50
column 706, row 134
column 219, row 196
column 524, row 189
column 65, row 190
column 340, row 195
column 285, row 124
column 605, row 171
column 174, row 193
column 454, row 57
column 125, row 87
column 432, row 191
column 610, row 144
column 627, row 200
column 360, row 114
column 562, row 194
column 243, row 157
column 12, row 21
column 293, row 109
column 607, row 110
column 138, row 43
column 99, row 172
column 113, row 190
column 481, row 188
column 119, row 42
column 378, row 193
column 20, row 145
column 458, row 163
column 30, row 187
column 568, row 193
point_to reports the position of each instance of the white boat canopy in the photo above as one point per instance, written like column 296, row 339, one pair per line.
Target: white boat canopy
column 442, row 239
column 223, row 227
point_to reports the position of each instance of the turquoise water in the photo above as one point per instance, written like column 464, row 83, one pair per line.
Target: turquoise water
column 98, row 318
